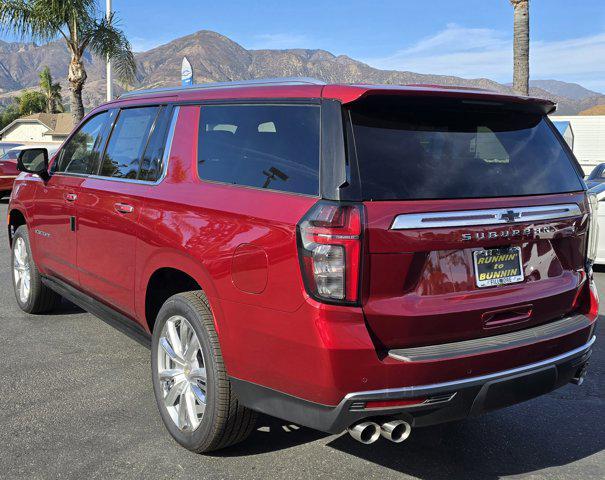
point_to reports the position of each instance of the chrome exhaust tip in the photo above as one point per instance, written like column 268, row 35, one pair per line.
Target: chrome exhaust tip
column 396, row 430
column 580, row 375
column 365, row 432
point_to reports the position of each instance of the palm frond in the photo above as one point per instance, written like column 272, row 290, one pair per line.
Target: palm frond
column 106, row 40
column 43, row 20
column 20, row 17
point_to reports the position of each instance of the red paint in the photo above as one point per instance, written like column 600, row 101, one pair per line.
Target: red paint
column 249, row 268
column 240, row 245
column 50, row 212
column 8, row 174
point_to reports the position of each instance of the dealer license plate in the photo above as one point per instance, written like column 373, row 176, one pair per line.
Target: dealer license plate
column 499, row 266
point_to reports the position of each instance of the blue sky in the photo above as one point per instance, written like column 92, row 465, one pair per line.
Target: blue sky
column 469, row 38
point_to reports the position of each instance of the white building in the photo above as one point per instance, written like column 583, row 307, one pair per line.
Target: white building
column 39, row 127
column 588, row 138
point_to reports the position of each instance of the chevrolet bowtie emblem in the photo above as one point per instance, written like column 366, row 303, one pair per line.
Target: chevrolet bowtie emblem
column 510, row 216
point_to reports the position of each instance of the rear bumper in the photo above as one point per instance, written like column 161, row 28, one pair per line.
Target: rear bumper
column 447, row 401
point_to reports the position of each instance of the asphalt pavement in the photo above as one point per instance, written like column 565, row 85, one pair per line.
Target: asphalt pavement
column 77, row 402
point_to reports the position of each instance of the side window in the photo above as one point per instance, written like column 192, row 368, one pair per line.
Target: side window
column 152, row 162
column 80, row 154
column 263, row 146
column 127, row 142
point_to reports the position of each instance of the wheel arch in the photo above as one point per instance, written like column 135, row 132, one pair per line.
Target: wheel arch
column 168, row 274
column 16, row 218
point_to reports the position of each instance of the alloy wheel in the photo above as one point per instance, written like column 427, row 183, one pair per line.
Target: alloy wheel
column 21, row 270
column 182, row 373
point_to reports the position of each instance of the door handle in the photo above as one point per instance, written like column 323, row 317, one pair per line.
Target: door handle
column 71, row 197
column 123, row 208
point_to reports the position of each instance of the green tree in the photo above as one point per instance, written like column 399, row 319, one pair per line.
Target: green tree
column 52, row 92
column 82, row 26
column 31, row 101
column 521, row 47
column 8, row 115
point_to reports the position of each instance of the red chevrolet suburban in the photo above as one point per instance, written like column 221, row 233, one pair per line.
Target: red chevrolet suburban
column 362, row 257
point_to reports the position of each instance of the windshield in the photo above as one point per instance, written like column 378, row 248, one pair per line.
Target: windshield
column 10, row 155
column 413, row 149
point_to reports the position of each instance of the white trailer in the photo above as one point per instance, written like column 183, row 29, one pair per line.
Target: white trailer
column 588, row 143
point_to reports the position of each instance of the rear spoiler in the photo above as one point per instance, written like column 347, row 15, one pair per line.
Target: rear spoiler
column 348, row 94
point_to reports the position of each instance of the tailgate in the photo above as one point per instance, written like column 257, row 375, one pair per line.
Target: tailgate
column 422, row 284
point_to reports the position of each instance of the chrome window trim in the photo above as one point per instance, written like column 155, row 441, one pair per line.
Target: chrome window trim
column 165, row 160
column 499, row 216
column 394, row 392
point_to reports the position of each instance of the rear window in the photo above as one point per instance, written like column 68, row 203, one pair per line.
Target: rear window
column 264, row 146
column 421, row 150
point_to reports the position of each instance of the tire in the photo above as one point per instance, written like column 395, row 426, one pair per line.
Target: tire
column 38, row 298
column 224, row 421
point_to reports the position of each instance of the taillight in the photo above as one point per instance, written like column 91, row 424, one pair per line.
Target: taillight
column 593, row 309
column 593, row 228
column 329, row 247
column 586, row 300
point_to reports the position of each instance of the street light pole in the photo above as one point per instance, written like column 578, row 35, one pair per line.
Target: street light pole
column 109, row 78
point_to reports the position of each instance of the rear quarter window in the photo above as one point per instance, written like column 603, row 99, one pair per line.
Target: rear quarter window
column 424, row 150
column 275, row 147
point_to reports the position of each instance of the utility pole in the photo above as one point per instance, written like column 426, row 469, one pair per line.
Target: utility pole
column 109, row 78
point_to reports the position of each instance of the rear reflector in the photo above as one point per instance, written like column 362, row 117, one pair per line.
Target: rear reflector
column 395, row 403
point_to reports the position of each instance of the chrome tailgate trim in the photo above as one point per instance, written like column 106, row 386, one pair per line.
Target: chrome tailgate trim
column 500, row 216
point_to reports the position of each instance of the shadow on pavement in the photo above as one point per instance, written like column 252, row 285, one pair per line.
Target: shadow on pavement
column 496, row 446
column 66, row 308
column 271, row 435
column 557, row 429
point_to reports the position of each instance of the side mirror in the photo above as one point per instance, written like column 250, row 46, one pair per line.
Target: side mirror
column 34, row 160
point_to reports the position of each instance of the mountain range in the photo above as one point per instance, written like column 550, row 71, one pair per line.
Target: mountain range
column 215, row 57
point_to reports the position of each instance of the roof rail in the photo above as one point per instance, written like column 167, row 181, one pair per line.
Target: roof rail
column 259, row 82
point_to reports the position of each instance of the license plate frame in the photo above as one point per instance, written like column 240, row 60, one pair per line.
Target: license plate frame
column 505, row 271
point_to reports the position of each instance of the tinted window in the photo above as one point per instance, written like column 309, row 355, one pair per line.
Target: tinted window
column 264, row 146
column 80, row 153
column 597, row 173
column 5, row 147
column 414, row 150
column 127, row 143
column 152, row 162
column 10, row 155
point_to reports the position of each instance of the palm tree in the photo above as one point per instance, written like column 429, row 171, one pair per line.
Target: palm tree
column 521, row 47
column 82, row 27
column 52, row 92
